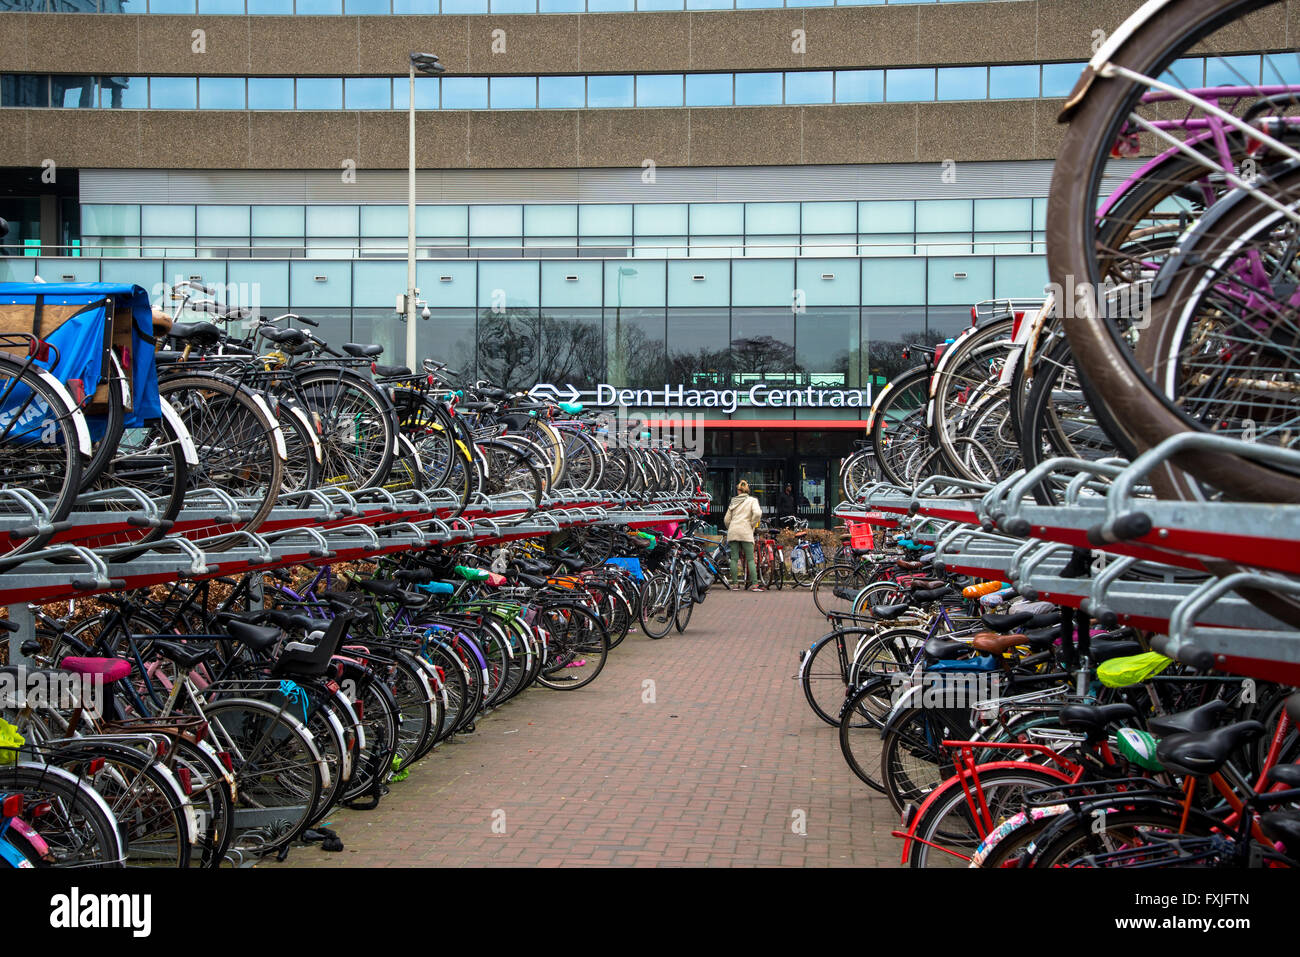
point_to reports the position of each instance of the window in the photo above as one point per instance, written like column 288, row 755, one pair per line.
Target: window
column 464, row 93
column 660, row 219
column 708, row 89
column 960, row 280
column 599, row 219
column 963, row 83
column 908, row 86
column 889, row 282
column 173, row 93
column 278, row 221
column 442, row 222
column 332, row 221
column 548, row 220
column 1013, row 82
column 758, row 89
column 717, row 218
column 222, row 93
column 771, row 218
column 768, row 283
column 320, row 93
column 368, row 93
column 826, row 344
column 124, row 92
column 167, row 221
column 859, row 86
column 74, row 92
column 1232, row 71
column 1059, row 78
column 887, row 216
column 943, row 215
column 699, row 353
column 223, row 221
column 496, row 221
column 315, row 7
column 810, row 87
column 659, row 90
column 829, row 218
column 562, row 92
column 609, row 91
column 426, row 93
column 270, row 93
column 513, row 92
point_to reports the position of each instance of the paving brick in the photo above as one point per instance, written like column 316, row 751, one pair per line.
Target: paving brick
column 709, row 775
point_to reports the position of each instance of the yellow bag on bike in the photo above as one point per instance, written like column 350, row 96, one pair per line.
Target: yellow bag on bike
column 1131, row 670
column 10, row 739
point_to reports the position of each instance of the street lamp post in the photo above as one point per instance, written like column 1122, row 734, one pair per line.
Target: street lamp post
column 427, row 64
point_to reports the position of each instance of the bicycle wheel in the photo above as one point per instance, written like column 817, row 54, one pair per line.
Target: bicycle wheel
column 278, row 771
column 658, row 604
column 40, row 451
column 238, row 442
column 835, row 587
column 861, row 720
column 685, row 602
column 508, row 468
column 145, row 798
column 1102, row 113
column 898, row 423
column 357, row 427
column 73, row 820
column 824, row 673
column 948, row 832
column 577, row 647
column 913, row 761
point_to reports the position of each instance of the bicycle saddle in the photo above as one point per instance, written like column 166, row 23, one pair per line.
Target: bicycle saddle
column 186, row 656
column 1197, row 720
column 202, row 332
column 536, row 581
column 1205, row 752
column 930, row 594
column 1094, row 718
column 1282, row 826
column 1005, row 623
column 257, row 637
column 393, row 372
column 945, row 649
column 1099, row 649
column 906, row 565
column 283, row 337
column 994, row 644
column 1288, row 774
column 361, row 350
column 888, row 611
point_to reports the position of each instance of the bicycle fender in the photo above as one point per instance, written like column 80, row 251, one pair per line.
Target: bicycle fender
column 875, row 406
column 276, row 434
column 299, row 414
column 78, row 417
column 182, row 434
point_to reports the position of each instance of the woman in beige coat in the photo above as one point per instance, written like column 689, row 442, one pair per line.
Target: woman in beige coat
column 742, row 518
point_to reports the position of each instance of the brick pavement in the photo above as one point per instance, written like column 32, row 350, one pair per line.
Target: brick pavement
column 709, row 774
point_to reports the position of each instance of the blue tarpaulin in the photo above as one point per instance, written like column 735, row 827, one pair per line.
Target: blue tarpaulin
column 80, row 341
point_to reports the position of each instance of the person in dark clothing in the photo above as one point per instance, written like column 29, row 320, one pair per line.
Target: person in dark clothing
column 785, row 502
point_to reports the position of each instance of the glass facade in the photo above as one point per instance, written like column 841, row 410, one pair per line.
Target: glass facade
column 597, row 91
column 608, row 91
column 812, row 230
column 636, row 323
